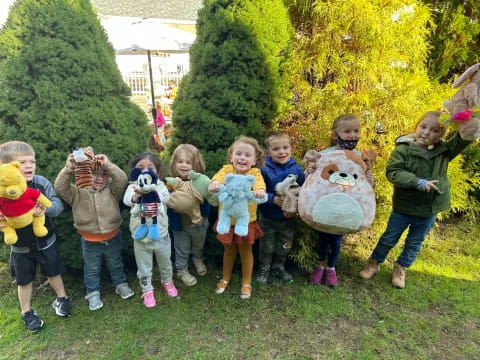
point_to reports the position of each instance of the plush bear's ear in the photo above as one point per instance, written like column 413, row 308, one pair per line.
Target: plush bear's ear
column 133, row 176
column 229, row 177
column 250, row 179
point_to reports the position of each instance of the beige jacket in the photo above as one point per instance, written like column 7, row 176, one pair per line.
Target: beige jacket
column 95, row 212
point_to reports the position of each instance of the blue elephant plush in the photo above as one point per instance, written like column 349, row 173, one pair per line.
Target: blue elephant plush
column 234, row 197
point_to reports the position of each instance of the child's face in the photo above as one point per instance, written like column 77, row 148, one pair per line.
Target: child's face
column 348, row 130
column 280, row 150
column 183, row 165
column 243, row 157
column 28, row 165
column 100, row 180
column 429, row 131
column 146, row 164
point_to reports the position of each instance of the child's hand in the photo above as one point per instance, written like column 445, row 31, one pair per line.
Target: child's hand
column 70, row 164
column 214, row 186
column 277, row 200
column 103, row 159
column 39, row 210
column 2, row 221
column 259, row 194
column 431, row 185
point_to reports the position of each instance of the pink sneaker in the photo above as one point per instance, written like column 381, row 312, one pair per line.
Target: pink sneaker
column 149, row 299
column 170, row 288
column 317, row 275
column 331, row 277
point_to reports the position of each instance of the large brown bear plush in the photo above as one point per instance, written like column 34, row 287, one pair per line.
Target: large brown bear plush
column 337, row 197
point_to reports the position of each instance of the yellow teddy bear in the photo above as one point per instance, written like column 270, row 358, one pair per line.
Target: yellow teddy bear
column 17, row 203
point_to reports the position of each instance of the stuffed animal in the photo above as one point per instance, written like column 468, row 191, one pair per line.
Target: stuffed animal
column 147, row 204
column 234, row 197
column 337, row 198
column 17, row 203
column 188, row 195
column 288, row 191
column 463, row 106
column 85, row 166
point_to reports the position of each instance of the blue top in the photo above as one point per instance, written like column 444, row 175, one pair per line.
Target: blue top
column 174, row 218
column 273, row 173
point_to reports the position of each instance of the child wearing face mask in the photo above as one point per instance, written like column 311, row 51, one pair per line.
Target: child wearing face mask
column 345, row 135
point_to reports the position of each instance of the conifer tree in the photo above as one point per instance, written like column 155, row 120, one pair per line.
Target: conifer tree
column 368, row 58
column 236, row 84
column 60, row 89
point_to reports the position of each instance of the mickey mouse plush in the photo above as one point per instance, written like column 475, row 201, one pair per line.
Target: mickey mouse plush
column 147, row 203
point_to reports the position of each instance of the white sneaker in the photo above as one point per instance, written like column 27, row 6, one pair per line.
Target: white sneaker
column 200, row 267
column 187, row 278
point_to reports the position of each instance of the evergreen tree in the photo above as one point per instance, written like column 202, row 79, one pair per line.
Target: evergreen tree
column 455, row 37
column 60, row 88
column 237, row 83
column 364, row 57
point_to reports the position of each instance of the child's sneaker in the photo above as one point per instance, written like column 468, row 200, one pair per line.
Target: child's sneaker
column 94, row 301
column 61, row 306
column 371, row 269
column 282, row 274
column 331, row 277
column 200, row 267
column 262, row 275
column 317, row 275
column 124, row 291
column 187, row 278
column 170, row 288
column 149, row 299
column 32, row 321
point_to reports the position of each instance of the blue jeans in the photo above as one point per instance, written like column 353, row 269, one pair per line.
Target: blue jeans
column 329, row 246
column 397, row 223
column 92, row 262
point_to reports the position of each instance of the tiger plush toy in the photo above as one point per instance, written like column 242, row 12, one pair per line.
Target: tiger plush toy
column 86, row 165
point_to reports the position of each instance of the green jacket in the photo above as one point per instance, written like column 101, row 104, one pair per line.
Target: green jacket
column 408, row 163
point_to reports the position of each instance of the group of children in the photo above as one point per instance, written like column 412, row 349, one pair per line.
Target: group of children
column 417, row 168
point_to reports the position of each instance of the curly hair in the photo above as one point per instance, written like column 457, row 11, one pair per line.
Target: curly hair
column 250, row 141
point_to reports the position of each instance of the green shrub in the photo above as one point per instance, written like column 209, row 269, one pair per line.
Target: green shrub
column 61, row 89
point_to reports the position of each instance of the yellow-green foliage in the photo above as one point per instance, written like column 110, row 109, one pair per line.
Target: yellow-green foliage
column 365, row 57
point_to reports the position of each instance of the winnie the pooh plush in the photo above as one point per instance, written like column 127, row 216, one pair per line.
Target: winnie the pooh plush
column 337, row 197
column 17, row 203
column 188, row 195
column 234, row 197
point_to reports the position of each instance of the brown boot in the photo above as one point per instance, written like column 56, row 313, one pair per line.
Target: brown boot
column 398, row 276
column 370, row 270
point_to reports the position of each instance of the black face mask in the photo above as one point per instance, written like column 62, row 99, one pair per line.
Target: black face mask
column 346, row 144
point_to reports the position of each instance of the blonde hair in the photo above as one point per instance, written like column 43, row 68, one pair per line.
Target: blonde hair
column 195, row 156
column 250, row 141
column 10, row 150
column 274, row 135
column 337, row 126
column 435, row 114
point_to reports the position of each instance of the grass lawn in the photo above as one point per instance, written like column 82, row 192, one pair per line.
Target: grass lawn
column 437, row 316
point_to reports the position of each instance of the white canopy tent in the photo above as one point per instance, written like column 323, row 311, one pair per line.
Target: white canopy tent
column 137, row 36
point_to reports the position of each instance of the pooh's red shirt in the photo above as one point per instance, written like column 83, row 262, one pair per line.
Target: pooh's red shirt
column 20, row 206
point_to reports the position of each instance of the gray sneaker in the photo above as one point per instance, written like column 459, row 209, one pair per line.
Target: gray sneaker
column 262, row 275
column 124, row 291
column 200, row 267
column 282, row 274
column 94, row 301
column 187, row 278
